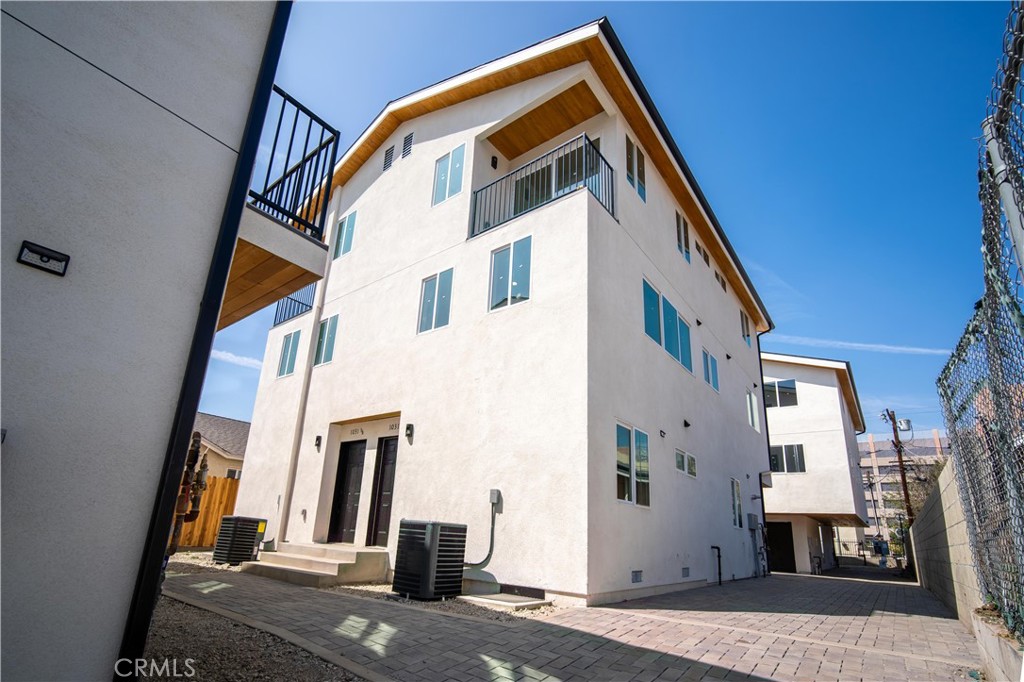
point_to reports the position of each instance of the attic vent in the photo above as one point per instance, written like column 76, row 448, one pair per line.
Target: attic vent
column 638, row 576
column 686, row 571
column 407, row 145
column 389, row 157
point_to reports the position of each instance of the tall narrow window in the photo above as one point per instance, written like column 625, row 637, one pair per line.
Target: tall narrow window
column 343, row 234
column 710, row 369
column 623, row 463
column 641, row 175
column 435, row 301
column 737, row 504
column 289, row 349
column 407, row 145
column 683, row 236
column 752, row 411
column 652, row 317
column 630, row 162
column 510, row 274
column 448, row 174
column 642, row 469
column 671, row 322
column 685, row 353
column 745, row 327
column 325, row 340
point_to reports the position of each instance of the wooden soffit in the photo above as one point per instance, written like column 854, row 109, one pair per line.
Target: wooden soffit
column 546, row 121
column 258, row 278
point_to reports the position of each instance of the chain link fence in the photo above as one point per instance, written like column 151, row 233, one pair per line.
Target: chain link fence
column 982, row 386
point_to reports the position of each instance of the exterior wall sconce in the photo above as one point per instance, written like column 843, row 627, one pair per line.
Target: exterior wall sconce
column 728, row 357
column 755, row 384
column 686, row 424
column 317, row 442
column 409, row 429
column 662, row 432
column 494, row 162
column 699, row 323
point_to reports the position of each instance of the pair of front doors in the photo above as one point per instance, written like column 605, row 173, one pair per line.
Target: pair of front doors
column 348, row 486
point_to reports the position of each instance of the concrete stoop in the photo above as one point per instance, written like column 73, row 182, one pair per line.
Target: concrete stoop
column 321, row 565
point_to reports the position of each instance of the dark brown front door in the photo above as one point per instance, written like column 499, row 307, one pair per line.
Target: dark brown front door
column 383, row 489
column 345, row 508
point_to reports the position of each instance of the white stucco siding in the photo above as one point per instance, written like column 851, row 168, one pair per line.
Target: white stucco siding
column 635, row 381
column 140, row 194
column 816, row 422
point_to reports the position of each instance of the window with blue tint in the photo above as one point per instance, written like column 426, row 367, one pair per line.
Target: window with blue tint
column 289, row 349
column 325, row 341
column 683, row 236
column 427, row 299
column 448, row 174
column 623, row 463
column 685, row 353
column 630, row 161
column 670, row 319
column 444, row 298
column 641, row 175
column 501, row 261
column 710, row 369
column 521, row 270
column 435, row 301
column 343, row 235
column 510, row 274
column 642, row 469
column 652, row 316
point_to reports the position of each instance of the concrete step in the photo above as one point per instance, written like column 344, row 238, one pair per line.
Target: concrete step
column 321, row 565
column 289, row 560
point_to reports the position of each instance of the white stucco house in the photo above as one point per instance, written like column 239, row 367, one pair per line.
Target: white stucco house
column 814, row 417
column 527, row 292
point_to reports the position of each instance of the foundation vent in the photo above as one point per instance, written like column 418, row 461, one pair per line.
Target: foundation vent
column 686, row 571
column 638, row 576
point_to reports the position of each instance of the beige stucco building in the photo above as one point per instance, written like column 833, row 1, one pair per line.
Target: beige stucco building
column 528, row 292
column 814, row 417
column 223, row 444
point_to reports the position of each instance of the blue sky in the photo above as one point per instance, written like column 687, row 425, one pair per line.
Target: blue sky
column 837, row 144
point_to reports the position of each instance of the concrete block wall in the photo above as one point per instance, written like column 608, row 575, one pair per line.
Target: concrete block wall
column 941, row 550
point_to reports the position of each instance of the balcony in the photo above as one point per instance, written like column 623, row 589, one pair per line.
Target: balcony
column 574, row 165
column 280, row 245
column 298, row 303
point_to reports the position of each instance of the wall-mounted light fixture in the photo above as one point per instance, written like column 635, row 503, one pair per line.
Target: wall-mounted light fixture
column 686, row 424
column 409, row 429
column 316, row 443
column 728, row 357
column 494, row 162
column 662, row 432
column 755, row 384
column 699, row 323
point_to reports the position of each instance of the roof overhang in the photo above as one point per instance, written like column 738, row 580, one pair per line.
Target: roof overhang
column 597, row 44
column 213, row 447
column 843, row 372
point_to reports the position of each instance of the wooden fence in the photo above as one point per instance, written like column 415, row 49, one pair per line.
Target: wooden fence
column 218, row 501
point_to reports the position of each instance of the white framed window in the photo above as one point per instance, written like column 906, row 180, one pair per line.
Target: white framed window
column 710, row 369
column 233, row 473
column 683, row 236
column 720, row 278
column 636, row 173
column 780, row 393
column 686, row 463
column 343, row 234
column 510, row 274
column 448, row 174
column 737, row 504
column 289, row 349
column 745, row 327
column 752, row 411
column 787, row 459
column 325, row 340
column 435, row 301
column 666, row 327
column 632, row 465
column 703, row 253
column 652, row 315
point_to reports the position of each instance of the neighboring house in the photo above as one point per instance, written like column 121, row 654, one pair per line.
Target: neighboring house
column 883, row 491
column 130, row 132
column 223, row 444
column 814, row 417
column 528, row 292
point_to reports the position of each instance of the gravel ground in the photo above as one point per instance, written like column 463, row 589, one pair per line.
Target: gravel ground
column 225, row 651
column 202, row 562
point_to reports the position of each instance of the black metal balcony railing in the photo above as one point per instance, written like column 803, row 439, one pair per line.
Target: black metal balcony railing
column 575, row 164
column 294, row 305
column 302, row 159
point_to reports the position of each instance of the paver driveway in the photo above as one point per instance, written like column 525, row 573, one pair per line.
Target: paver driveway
column 781, row 628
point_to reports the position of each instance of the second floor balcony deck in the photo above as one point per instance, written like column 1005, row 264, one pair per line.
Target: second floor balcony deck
column 561, row 171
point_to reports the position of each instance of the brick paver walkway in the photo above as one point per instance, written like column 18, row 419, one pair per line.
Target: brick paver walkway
column 780, row 628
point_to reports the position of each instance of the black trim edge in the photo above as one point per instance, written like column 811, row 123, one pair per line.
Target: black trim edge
column 147, row 583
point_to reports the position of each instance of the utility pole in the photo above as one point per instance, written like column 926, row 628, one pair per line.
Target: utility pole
column 898, row 445
column 874, row 507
